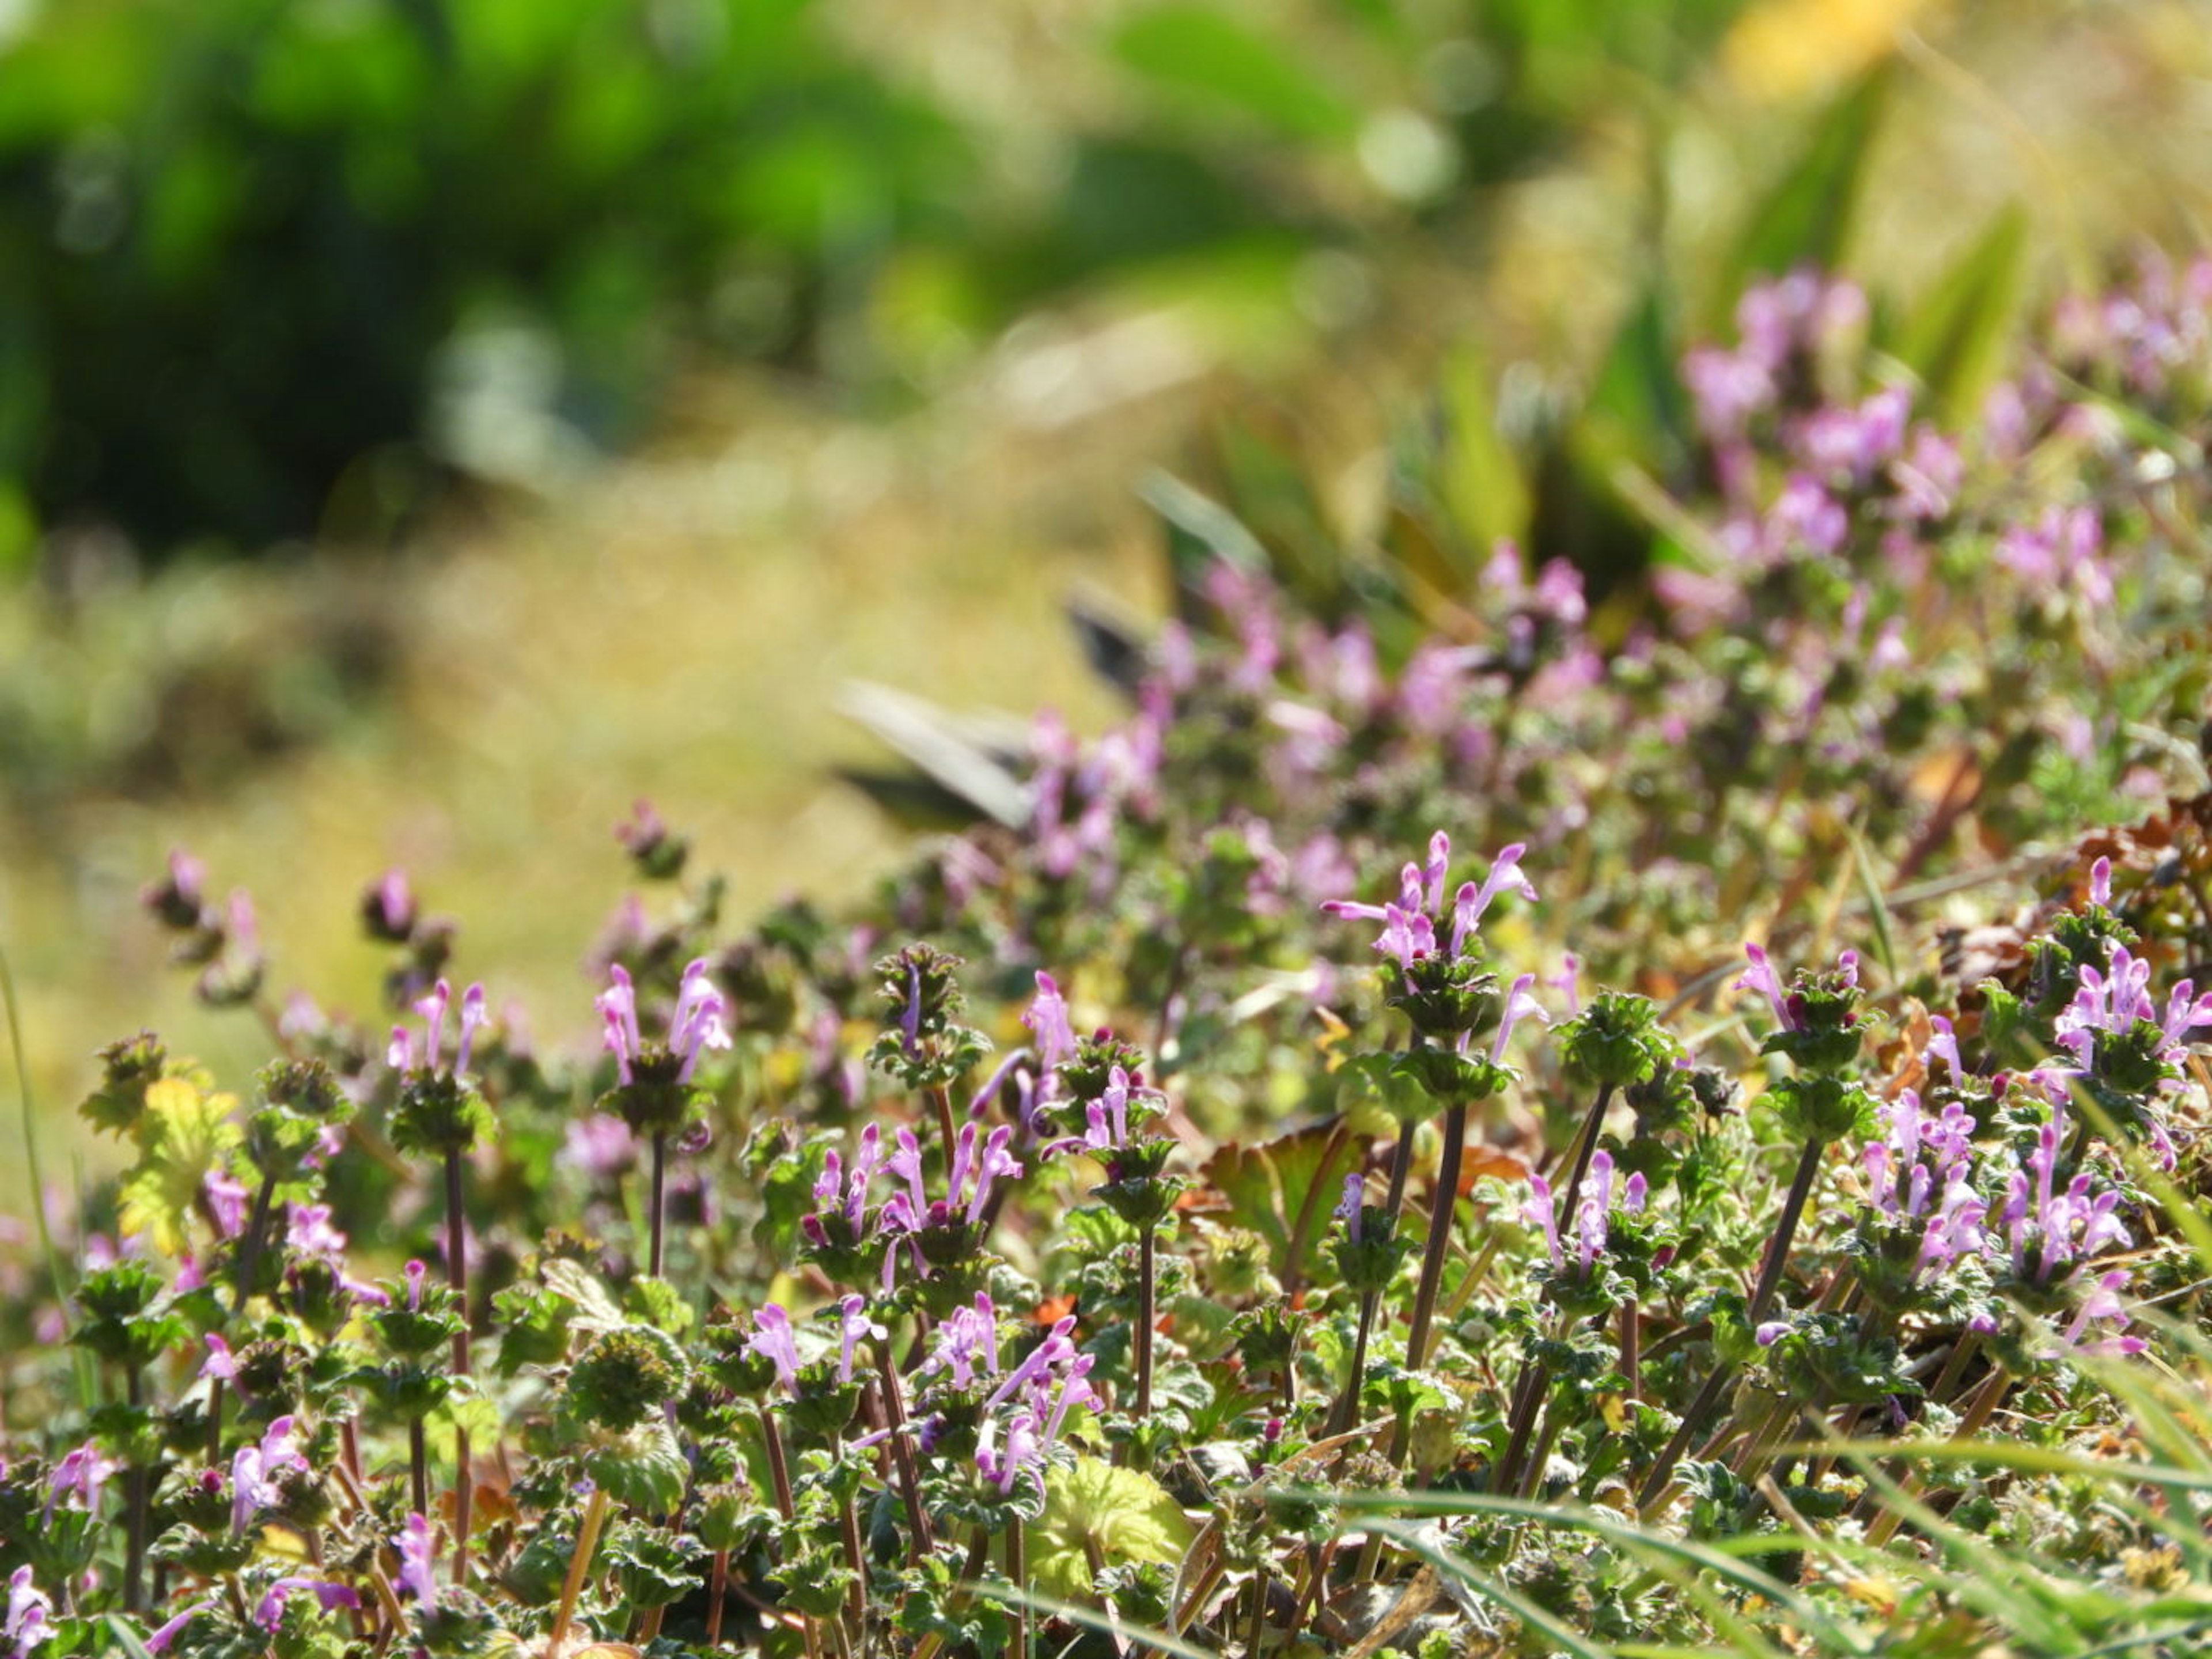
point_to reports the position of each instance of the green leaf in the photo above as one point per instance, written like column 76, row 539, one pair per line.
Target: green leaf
column 1221, row 65
column 1124, row 1515
column 1479, row 476
column 1808, row 216
column 1284, row 1189
column 595, row 1308
column 642, row 1467
column 1199, row 530
column 1956, row 339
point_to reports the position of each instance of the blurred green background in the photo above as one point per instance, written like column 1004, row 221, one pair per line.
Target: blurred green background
column 427, row 425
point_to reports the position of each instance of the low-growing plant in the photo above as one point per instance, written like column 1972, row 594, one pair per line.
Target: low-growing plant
column 1097, row 1239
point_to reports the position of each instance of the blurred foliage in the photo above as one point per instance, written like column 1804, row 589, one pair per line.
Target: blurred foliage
column 253, row 251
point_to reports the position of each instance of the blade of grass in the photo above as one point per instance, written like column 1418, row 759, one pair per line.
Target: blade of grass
column 1718, row 1558
column 1415, row 1541
column 87, row 1381
column 1140, row 1636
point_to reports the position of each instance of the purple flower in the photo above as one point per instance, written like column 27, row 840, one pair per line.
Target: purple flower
column 599, row 1145
column 254, row 1470
column 1047, row 1018
column 2100, row 884
column 1519, row 1004
column 1409, row 927
column 389, row 905
column 417, row 1575
column 81, row 1473
column 1761, row 976
column 1567, row 983
column 30, row 1613
column 220, row 1364
column 1023, row 1450
column 270, row 1610
column 1593, row 1211
column 772, row 1340
column 1348, row 1207
column 1771, row 1332
column 227, row 1197
column 966, row 1344
column 855, row 1324
column 696, row 1023
column 406, row 1053
column 2102, row 1306
column 160, row 1640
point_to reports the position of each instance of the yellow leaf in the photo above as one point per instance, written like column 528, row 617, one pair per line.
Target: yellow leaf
column 1122, row 1515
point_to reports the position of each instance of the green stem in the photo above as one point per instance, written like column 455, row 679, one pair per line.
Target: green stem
column 457, row 1277
column 87, row 1381
column 134, row 1565
column 1145, row 1291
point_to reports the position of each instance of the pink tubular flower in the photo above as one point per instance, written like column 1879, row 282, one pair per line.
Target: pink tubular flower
column 417, row 1576
column 1046, row 1019
column 1409, row 926
column 1592, row 1224
column 966, row 1344
column 1519, row 1004
column 855, row 1324
column 698, row 1023
column 30, row 1613
column 618, row 1007
column 81, row 1473
column 773, row 1341
column 408, row 1053
column 1761, row 977
column 159, row 1641
column 1348, row 1207
column 268, row 1612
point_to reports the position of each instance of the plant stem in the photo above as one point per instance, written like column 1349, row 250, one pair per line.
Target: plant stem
column 587, row 1543
column 1145, row 1290
column 134, row 1562
column 456, row 1276
column 718, row 1591
column 1979, row 1410
column 778, row 1470
column 1018, row 1570
column 249, row 1247
column 1632, row 1340
column 1441, row 1211
column 856, row 1598
column 658, row 1202
column 1770, row 1279
column 909, row 1478
column 940, row 1100
column 1528, row 1395
column 1347, row 1411
column 418, row 1460
column 1532, row 1472
column 1585, row 1145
